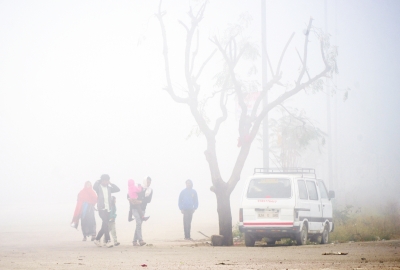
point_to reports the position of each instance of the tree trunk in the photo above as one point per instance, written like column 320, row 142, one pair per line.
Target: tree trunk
column 224, row 215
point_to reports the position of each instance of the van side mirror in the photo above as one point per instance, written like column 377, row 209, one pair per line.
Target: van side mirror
column 331, row 194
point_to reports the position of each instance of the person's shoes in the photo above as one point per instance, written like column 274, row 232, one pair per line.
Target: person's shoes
column 135, row 244
column 145, row 218
column 189, row 239
column 97, row 243
column 116, row 243
column 142, row 243
column 84, row 238
column 93, row 237
column 109, row 244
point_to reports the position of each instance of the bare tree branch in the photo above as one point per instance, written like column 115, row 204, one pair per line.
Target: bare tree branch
column 194, row 53
column 184, row 25
column 237, row 58
column 276, row 78
column 204, row 64
column 214, row 94
column 188, row 75
column 278, row 69
column 221, row 119
column 193, row 88
column 234, row 51
column 270, row 65
column 169, row 87
column 301, row 60
column 228, row 43
column 236, row 84
column 200, row 13
column 303, row 70
column 264, row 92
column 285, row 96
column 238, row 167
column 323, row 52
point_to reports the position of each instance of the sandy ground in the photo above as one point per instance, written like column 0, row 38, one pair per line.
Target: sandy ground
column 31, row 240
column 27, row 251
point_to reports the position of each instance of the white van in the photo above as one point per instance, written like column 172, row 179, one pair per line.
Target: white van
column 289, row 203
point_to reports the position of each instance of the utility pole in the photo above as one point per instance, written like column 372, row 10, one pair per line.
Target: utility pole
column 264, row 81
column 328, row 114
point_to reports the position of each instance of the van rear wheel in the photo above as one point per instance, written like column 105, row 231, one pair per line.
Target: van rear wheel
column 249, row 240
column 325, row 235
column 302, row 236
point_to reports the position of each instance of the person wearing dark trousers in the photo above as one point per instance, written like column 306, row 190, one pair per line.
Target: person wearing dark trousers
column 138, row 238
column 135, row 210
column 188, row 203
column 104, row 188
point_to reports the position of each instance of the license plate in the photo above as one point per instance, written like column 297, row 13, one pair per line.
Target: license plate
column 268, row 214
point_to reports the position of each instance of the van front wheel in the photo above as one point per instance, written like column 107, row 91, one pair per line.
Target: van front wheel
column 249, row 240
column 302, row 236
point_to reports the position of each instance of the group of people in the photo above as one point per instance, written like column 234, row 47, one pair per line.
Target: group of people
column 138, row 196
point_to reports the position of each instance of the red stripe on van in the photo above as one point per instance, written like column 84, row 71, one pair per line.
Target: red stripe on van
column 269, row 223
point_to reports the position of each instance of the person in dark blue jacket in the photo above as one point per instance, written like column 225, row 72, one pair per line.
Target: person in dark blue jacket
column 188, row 203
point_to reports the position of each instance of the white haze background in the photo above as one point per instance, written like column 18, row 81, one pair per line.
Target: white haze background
column 81, row 95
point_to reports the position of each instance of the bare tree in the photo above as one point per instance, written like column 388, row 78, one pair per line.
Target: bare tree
column 232, row 52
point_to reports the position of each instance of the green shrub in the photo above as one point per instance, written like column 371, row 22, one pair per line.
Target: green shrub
column 236, row 232
column 287, row 242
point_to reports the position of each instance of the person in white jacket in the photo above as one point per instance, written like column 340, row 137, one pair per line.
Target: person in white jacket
column 148, row 193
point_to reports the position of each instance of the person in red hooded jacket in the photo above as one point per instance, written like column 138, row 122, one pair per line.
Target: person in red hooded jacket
column 84, row 211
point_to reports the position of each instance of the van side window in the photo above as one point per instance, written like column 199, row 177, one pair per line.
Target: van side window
column 302, row 190
column 312, row 190
column 322, row 190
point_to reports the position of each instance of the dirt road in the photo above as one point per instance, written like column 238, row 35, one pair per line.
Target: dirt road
column 32, row 243
column 49, row 253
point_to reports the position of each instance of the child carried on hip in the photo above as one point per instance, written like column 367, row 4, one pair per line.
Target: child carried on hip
column 134, row 200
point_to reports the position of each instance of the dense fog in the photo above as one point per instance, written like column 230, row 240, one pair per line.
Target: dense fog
column 81, row 94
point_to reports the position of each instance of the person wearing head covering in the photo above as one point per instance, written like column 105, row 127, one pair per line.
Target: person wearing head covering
column 188, row 203
column 104, row 188
column 84, row 211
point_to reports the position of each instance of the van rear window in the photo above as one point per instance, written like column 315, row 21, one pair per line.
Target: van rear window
column 269, row 188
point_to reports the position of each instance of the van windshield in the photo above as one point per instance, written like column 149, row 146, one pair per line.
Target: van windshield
column 269, row 188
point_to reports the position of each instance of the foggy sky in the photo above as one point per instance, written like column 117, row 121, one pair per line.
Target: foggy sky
column 81, row 95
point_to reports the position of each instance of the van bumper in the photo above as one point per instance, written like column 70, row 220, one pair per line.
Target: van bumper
column 278, row 232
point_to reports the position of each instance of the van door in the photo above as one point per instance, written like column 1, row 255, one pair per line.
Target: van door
column 315, row 213
column 326, row 202
column 308, row 199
